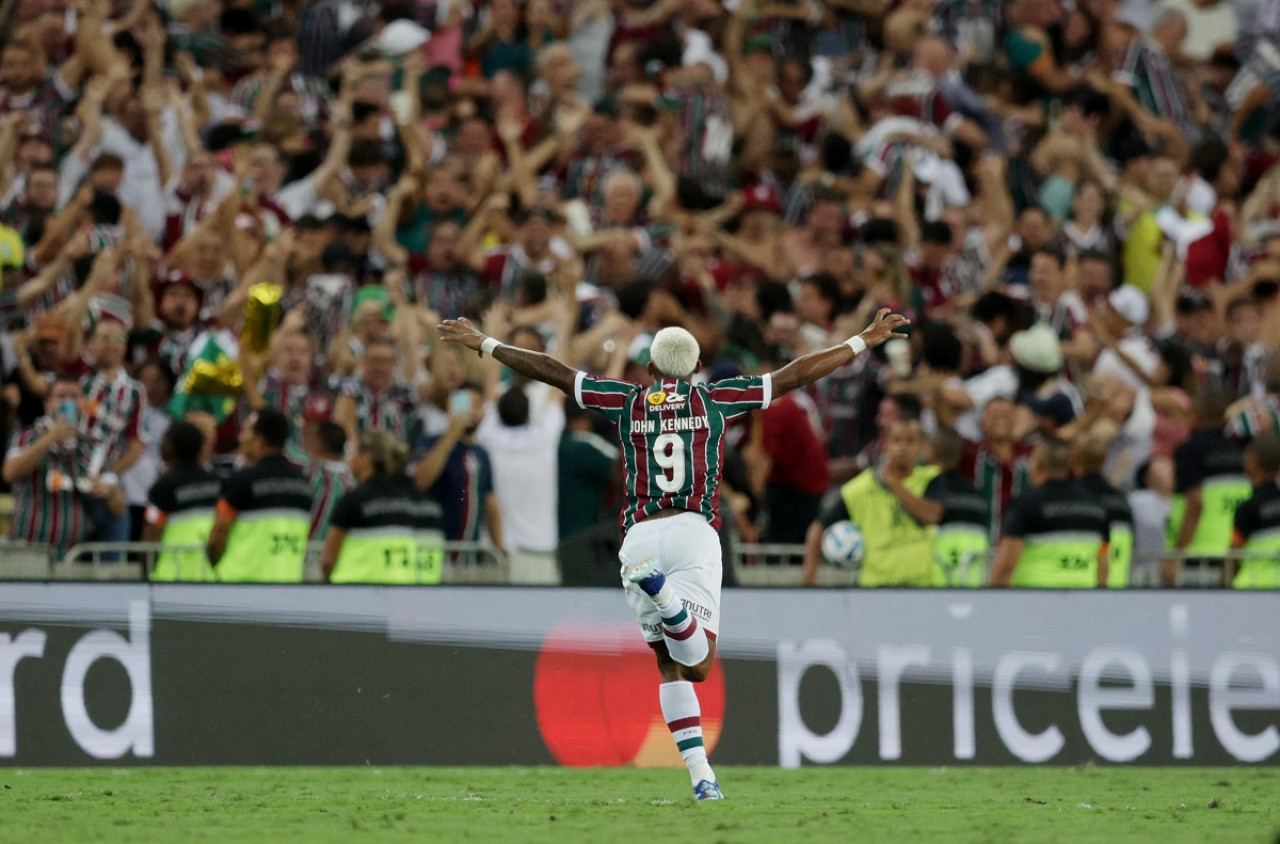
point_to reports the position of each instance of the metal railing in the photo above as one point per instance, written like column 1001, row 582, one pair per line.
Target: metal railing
column 754, row 565
column 465, row 562
column 782, row 565
column 23, row 561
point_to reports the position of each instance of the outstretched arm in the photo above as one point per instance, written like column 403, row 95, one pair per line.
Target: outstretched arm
column 533, row 365
column 819, row 364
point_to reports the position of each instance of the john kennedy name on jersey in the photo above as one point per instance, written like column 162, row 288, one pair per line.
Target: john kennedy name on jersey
column 670, row 426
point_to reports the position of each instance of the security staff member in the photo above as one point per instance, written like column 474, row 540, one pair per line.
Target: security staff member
column 899, row 544
column 180, row 506
column 961, row 513
column 383, row 531
column 1209, row 484
column 1257, row 521
column 1088, row 455
column 1054, row 535
column 264, row 513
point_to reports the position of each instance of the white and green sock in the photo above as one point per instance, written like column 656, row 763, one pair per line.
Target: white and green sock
column 686, row 641
column 683, row 715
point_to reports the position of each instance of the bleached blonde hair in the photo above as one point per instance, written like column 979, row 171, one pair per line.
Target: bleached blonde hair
column 674, row 353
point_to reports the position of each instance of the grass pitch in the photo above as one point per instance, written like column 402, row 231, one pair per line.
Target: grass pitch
column 554, row 804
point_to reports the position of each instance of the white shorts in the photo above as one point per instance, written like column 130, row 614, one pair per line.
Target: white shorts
column 689, row 554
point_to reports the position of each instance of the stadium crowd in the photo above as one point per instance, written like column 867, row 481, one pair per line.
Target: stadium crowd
column 215, row 207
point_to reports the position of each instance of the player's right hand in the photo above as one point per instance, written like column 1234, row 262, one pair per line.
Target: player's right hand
column 882, row 328
column 462, row 331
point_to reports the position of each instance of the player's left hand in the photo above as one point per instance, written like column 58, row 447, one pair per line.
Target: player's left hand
column 462, row 331
column 882, row 328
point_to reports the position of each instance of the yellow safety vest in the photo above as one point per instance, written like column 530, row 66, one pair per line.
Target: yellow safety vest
column 186, row 528
column 390, row 555
column 266, row 546
column 899, row 550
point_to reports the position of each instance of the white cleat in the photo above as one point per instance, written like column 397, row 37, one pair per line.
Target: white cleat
column 643, row 570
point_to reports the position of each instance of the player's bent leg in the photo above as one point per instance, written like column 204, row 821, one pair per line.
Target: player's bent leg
column 698, row 673
column 672, row 671
column 683, row 714
column 672, row 577
column 686, row 641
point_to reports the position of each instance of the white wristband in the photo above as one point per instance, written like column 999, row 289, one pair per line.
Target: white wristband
column 857, row 344
column 488, row 345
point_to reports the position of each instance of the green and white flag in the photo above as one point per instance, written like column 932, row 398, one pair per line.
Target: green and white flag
column 212, row 381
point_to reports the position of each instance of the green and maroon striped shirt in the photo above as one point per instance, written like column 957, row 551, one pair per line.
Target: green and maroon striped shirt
column 47, row 509
column 330, row 481
column 998, row 481
column 672, row 438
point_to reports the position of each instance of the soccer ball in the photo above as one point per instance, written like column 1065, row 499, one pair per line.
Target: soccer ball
column 842, row 545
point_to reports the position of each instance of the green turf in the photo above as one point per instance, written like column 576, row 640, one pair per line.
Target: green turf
column 551, row 804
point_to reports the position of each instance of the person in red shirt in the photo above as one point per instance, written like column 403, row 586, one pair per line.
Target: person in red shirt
column 798, row 467
column 931, row 266
column 1214, row 173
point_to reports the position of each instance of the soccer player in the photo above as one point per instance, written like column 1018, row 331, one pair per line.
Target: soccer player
column 672, row 449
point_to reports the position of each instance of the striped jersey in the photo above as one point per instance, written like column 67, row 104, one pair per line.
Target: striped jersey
column 114, row 418
column 998, row 481
column 1147, row 70
column 394, row 409
column 1256, row 419
column 157, row 340
column 706, row 151
column 331, row 480
column 47, row 508
column 672, row 438
column 289, row 399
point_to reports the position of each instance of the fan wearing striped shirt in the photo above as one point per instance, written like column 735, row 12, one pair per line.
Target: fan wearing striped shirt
column 672, row 436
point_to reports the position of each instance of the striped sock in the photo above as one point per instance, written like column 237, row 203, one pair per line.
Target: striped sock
column 686, row 641
column 684, row 718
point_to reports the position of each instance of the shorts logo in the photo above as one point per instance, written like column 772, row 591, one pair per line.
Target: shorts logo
column 698, row 610
column 657, row 398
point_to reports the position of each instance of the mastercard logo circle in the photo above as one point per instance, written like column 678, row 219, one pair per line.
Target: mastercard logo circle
column 595, row 692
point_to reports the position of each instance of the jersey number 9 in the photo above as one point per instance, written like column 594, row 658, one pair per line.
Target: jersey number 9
column 668, row 453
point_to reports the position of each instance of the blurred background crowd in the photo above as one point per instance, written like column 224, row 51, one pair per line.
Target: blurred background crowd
column 1076, row 203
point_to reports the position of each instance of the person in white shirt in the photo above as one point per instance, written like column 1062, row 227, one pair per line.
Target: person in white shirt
column 1209, row 23
column 1130, row 355
column 137, row 480
column 128, row 135
column 1151, row 503
column 1033, row 369
column 1130, row 358
column 523, row 449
